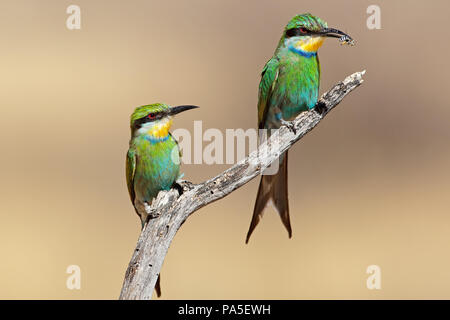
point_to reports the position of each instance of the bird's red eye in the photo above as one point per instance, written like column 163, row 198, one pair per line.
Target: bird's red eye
column 151, row 116
column 303, row 30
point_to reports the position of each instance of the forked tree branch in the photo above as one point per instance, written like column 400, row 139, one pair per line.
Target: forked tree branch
column 170, row 209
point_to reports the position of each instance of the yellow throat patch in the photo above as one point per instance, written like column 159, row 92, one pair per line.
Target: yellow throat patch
column 311, row 44
column 160, row 129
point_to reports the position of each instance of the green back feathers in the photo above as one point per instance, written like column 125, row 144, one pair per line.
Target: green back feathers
column 143, row 111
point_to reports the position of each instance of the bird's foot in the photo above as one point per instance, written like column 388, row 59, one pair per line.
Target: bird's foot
column 321, row 108
column 290, row 125
column 182, row 186
column 152, row 214
column 178, row 187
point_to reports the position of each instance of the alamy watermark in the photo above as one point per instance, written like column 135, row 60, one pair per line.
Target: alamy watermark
column 374, row 19
column 73, row 281
column 374, row 280
column 73, row 21
column 213, row 146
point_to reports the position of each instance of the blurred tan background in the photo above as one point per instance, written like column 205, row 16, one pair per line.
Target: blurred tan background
column 370, row 185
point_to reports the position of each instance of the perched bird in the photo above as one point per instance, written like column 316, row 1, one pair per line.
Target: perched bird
column 289, row 85
column 153, row 158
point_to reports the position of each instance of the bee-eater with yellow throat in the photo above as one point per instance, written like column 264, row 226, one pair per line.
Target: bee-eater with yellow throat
column 153, row 158
column 289, row 85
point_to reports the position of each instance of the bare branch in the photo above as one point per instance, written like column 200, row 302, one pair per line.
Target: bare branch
column 172, row 209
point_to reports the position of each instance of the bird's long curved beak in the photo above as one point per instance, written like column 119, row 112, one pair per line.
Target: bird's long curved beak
column 178, row 109
column 335, row 33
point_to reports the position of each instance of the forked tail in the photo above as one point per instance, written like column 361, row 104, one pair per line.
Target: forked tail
column 273, row 188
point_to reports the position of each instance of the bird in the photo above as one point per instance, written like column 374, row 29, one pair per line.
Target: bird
column 153, row 157
column 289, row 85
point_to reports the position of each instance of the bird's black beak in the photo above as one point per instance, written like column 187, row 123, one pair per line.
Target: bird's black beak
column 178, row 109
column 335, row 33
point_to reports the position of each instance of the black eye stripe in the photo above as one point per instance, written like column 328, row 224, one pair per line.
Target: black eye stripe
column 139, row 122
column 294, row 32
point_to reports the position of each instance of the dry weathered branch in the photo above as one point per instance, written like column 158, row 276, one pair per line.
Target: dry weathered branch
column 172, row 209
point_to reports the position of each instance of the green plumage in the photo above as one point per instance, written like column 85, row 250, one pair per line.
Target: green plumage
column 155, row 170
column 289, row 85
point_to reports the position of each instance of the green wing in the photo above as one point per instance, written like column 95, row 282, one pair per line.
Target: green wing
column 269, row 77
column 130, row 170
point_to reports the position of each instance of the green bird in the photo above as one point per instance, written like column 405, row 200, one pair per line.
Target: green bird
column 153, row 158
column 289, row 85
